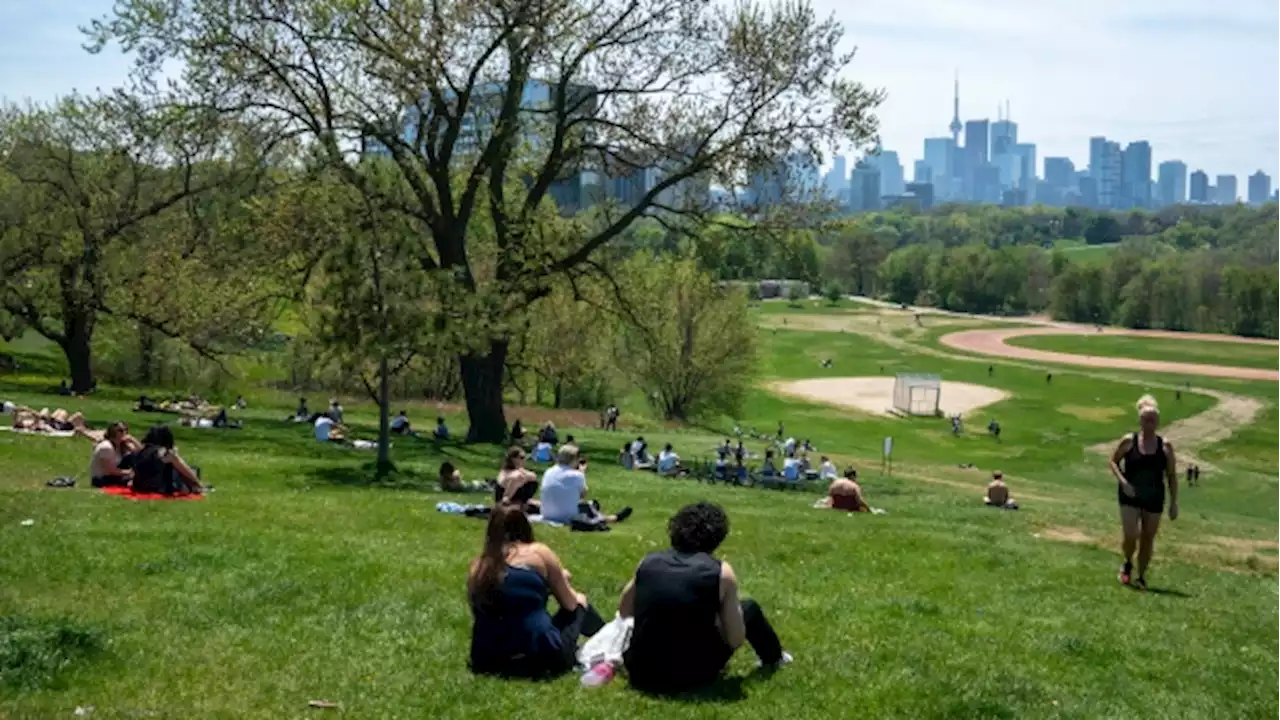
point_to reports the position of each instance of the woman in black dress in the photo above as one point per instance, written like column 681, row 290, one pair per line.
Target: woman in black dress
column 1143, row 464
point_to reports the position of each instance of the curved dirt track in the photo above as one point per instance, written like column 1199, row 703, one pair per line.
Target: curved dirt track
column 992, row 342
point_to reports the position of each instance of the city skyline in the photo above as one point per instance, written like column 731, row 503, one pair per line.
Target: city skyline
column 1119, row 70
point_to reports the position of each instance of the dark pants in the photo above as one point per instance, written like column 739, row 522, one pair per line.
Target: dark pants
column 571, row 625
column 760, row 633
column 583, row 621
column 109, row 481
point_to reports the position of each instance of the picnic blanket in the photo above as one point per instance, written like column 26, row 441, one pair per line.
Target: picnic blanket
column 49, row 433
column 126, row 492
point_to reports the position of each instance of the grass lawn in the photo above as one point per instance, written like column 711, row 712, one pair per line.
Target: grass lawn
column 1174, row 350
column 298, row 580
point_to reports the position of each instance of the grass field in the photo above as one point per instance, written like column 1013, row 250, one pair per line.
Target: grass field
column 1174, row 350
column 299, row 580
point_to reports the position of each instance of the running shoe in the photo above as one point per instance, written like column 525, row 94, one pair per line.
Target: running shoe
column 1125, row 571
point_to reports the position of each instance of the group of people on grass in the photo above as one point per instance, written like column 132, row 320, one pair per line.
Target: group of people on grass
column 688, row 617
column 152, row 466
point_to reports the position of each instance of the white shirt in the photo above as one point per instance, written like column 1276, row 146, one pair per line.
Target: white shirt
column 562, row 490
column 791, row 468
column 323, row 425
column 399, row 422
column 9, row 408
column 335, row 411
column 667, row 461
column 789, row 446
column 828, row 471
column 104, row 460
column 635, row 447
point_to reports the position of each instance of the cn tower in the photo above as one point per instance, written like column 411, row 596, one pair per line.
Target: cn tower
column 956, row 125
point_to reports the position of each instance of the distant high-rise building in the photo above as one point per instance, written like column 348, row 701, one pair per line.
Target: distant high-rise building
column 1026, row 154
column 1259, row 188
column 939, row 155
column 1171, row 183
column 1199, row 192
column 892, row 177
column 1059, row 172
column 922, row 191
column 986, row 184
column 1088, row 191
column 793, row 178
column 864, row 187
column 1135, row 176
column 837, row 178
column 1104, row 168
column 1227, row 192
column 922, row 173
column 1004, row 135
column 977, row 137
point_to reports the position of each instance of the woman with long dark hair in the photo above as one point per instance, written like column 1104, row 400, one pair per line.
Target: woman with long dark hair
column 508, row 586
column 1143, row 464
column 158, row 468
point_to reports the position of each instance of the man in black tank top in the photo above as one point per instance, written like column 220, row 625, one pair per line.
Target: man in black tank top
column 688, row 620
column 1143, row 465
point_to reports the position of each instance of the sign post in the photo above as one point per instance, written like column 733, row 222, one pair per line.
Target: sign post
column 886, row 462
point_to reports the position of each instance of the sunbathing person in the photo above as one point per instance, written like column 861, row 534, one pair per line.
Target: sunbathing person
column 688, row 618
column 158, row 468
column 112, row 459
column 516, row 484
column 998, row 493
column 564, row 493
column 846, row 494
column 513, row 635
column 451, row 481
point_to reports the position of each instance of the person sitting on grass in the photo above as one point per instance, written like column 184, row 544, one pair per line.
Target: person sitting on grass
column 158, row 468
column 791, row 468
column 688, row 616
column 327, row 430
column 568, row 440
column 400, row 424
column 302, row 411
column 517, row 484
column 451, row 481
column 112, row 459
column 564, row 492
column 543, row 452
column 548, row 434
column 625, row 458
column 768, row 468
column 512, row 634
column 517, row 432
column 668, row 462
column 442, row 431
column 240, row 404
column 993, row 427
column 725, row 450
column 827, row 470
column 335, row 410
column 846, row 494
column 998, row 493
column 640, row 451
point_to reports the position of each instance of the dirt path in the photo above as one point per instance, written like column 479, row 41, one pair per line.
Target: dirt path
column 992, row 342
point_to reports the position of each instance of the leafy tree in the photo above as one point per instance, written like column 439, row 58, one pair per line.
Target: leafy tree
column 688, row 340
column 1103, row 229
column 833, row 292
column 464, row 97
column 110, row 209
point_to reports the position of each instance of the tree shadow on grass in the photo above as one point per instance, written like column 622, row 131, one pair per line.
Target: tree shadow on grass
column 366, row 475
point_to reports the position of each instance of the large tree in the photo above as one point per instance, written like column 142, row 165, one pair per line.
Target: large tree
column 109, row 209
column 466, row 95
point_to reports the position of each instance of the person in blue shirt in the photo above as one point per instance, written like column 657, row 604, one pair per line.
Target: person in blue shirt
column 442, row 431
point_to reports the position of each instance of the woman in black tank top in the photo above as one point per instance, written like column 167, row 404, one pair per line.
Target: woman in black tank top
column 1143, row 464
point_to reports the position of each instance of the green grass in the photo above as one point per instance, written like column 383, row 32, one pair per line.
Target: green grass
column 1169, row 349
column 298, row 579
column 1079, row 251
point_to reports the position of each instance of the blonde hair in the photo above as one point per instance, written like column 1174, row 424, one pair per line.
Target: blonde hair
column 1147, row 404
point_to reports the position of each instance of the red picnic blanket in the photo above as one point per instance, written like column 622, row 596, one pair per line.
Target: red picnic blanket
column 129, row 493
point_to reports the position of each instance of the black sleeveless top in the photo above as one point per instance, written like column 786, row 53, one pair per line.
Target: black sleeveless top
column 1145, row 471
column 676, row 642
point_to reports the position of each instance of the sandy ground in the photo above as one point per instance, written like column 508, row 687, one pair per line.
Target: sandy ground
column 875, row 394
column 992, row 342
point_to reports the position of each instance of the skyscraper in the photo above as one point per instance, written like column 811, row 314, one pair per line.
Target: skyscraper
column 892, row 177
column 1199, row 187
column 939, row 154
column 1172, row 183
column 837, row 178
column 1004, row 134
column 1259, row 188
column 864, row 187
column 1104, row 168
column 1135, row 176
column 977, row 135
column 1059, row 172
column 922, row 173
column 1227, row 192
column 1026, row 153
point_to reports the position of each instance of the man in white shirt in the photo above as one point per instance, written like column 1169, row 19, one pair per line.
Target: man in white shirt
column 564, row 491
column 827, row 470
column 791, row 468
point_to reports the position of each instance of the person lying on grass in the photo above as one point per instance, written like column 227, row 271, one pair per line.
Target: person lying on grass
column 998, row 493
column 24, row 418
column 516, row 483
column 451, row 481
column 512, row 634
column 113, row 457
column 688, row 618
column 846, row 494
column 158, row 468
column 564, row 491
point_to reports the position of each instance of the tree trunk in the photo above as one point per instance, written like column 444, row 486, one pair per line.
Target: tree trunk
column 146, row 355
column 79, row 357
column 559, row 393
column 482, row 387
column 384, row 425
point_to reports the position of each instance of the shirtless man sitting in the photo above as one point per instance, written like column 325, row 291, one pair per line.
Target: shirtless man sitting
column 998, row 493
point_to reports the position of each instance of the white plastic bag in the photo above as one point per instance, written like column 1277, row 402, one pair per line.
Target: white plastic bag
column 608, row 644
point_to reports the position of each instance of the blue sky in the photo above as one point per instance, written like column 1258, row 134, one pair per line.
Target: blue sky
column 1199, row 80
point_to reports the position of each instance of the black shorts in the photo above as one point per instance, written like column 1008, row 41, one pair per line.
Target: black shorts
column 1146, row 500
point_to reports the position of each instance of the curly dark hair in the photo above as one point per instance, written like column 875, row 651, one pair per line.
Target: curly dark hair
column 699, row 527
